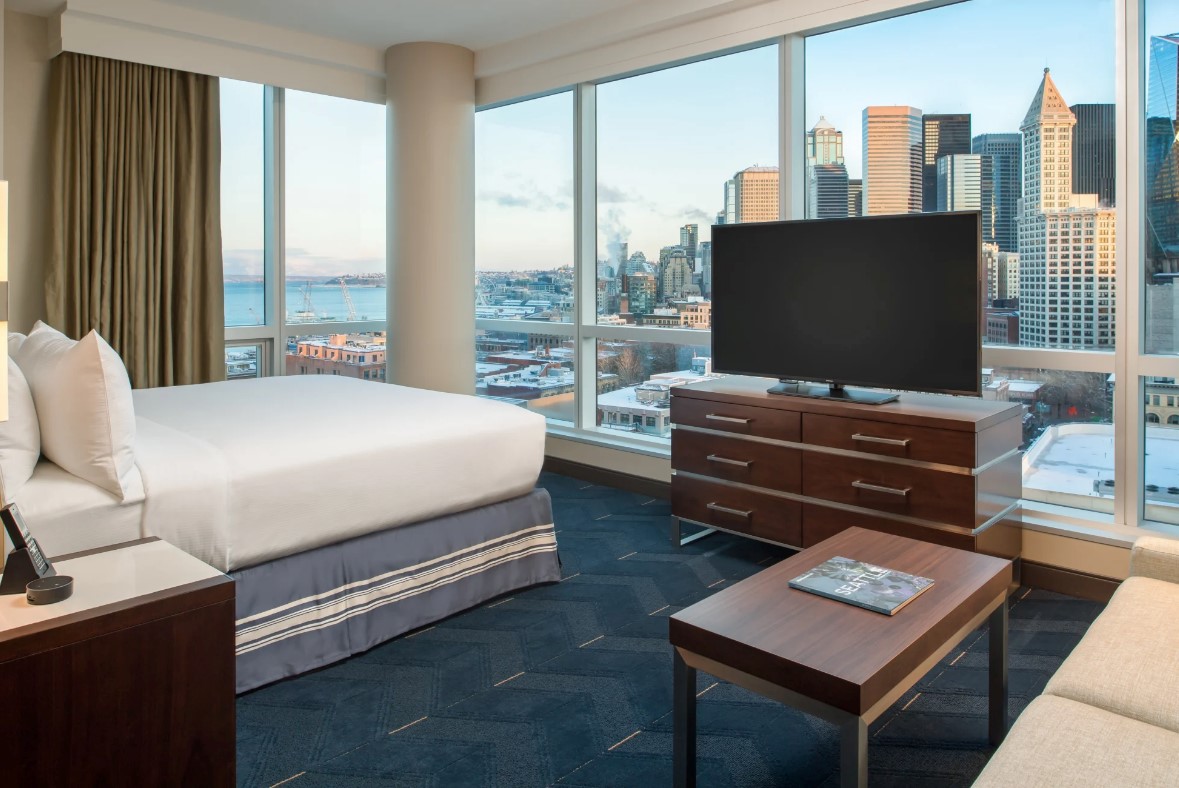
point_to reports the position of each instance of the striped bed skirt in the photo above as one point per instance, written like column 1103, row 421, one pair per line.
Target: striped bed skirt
column 310, row 609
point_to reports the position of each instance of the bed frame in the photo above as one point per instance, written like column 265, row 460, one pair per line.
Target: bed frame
column 310, row 609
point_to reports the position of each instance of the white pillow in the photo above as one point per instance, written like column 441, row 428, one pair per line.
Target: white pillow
column 15, row 341
column 20, row 437
column 84, row 406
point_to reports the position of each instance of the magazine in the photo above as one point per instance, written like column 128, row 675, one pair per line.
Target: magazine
column 865, row 585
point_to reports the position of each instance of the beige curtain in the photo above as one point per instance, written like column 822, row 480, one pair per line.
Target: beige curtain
column 136, row 215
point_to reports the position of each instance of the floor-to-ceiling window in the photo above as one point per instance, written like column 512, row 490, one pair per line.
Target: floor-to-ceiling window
column 524, row 295
column 1160, row 270
column 1024, row 135
column 303, row 218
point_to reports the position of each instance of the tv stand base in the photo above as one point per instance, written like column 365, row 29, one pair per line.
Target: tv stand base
column 834, row 391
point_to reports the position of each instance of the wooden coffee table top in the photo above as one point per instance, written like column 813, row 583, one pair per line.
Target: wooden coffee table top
column 832, row 651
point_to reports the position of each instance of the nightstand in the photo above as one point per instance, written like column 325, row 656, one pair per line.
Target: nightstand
column 128, row 682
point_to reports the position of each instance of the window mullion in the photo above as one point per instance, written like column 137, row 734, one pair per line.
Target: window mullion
column 275, row 213
column 585, row 233
column 792, row 126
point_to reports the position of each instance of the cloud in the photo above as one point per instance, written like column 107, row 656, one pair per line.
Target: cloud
column 243, row 262
column 688, row 214
column 611, row 226
column 532, row 199
column 608, row 193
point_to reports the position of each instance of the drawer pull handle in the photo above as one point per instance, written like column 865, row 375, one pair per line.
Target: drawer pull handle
column 716, row 507
column 727, row 461
column 730, row 419
column 875, row 439
column 861, row 485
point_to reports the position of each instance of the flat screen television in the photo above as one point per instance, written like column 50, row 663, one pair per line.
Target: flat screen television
column 887, row 302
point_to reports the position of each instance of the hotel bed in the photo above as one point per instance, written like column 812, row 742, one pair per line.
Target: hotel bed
column 348, row 512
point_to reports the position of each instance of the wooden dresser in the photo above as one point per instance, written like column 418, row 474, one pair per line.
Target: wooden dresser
column 795, row 471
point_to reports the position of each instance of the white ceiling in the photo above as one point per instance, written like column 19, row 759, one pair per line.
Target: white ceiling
column 475, row 24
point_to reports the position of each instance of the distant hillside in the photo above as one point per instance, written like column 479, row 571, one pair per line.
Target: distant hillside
column 359, row 280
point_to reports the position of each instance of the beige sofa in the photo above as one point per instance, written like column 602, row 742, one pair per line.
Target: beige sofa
column 1110, row 714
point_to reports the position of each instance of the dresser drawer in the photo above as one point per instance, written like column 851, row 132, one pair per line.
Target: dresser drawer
column 890, row 487
column 822, row 522
column 737, row 460
column 737, row 509
column 739, row 419
column 947, row 447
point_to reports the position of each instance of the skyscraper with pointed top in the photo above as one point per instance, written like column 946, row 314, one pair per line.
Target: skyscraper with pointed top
column 1066, row 242
column 826, row 173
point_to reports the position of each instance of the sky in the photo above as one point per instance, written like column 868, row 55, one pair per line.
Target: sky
column 667, row 140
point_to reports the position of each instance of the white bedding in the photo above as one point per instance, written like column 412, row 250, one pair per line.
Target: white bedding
column 242, row 472
column 67, row 514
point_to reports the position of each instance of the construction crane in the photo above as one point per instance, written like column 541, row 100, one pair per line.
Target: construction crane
column 348, row 300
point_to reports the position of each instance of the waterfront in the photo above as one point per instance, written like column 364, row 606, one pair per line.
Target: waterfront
column 245, row 302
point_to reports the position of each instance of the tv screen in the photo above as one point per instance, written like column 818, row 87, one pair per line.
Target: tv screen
column 882, row 301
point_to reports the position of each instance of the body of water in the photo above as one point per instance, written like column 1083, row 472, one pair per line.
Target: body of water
column 245, row 303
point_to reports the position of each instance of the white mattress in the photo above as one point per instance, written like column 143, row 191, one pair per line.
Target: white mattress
column 242, row 472
column 67, row 514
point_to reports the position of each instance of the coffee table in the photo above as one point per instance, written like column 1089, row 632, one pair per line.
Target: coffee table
column 833, row 659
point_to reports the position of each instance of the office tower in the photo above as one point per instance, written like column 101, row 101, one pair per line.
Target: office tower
column 720, row 217
column 941, row 135
column 706, row 268
column 755, row 191
column 1066, row 242
column 675, row 275
column 643, row 290
column 1093, row 151
column 824, row 145
column 892, row 160
column 1002, row 273
column 730, row 210
column 689, row 234
column 964, row 183
column 855, row 197
column 1162, row 160
column 1004, row 151
column 826, row 191
column 617, row 253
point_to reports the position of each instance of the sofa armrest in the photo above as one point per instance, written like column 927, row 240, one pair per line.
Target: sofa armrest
column 1156, row 557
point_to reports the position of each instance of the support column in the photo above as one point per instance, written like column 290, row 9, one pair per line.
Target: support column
column 430, row 208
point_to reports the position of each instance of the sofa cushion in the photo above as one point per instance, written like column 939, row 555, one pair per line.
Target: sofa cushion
column 1128, row 662
column 1059, row 743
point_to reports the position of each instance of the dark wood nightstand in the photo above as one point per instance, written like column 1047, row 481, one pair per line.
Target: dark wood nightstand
column 128, row 682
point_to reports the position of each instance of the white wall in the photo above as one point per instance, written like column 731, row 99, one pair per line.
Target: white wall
column 173, row 36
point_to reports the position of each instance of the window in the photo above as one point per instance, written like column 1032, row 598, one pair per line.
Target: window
column 325, row 281
column 243, row 217
column 1161, row 181
column 968, row 135
column 524, row 345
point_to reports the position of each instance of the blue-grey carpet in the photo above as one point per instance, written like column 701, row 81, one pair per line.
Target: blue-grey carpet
column 570, row 684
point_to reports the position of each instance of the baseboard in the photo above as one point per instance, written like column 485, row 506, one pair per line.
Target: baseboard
column 1066, row 581
column 609, row 478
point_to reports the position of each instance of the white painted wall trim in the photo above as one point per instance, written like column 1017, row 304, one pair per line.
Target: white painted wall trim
column 172, row 36
column 652, row 34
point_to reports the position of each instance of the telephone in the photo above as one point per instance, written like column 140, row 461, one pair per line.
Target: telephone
column 25, row 562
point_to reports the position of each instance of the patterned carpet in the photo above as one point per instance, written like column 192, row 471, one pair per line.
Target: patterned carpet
column 570, row 684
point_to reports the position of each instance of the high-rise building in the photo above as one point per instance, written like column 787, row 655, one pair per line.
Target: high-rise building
column 826, row 175
column 855, row 197
column 824, row 145
column 1162, row 160
column 675, row 275
column 1066, row 242
column 1093, row 151
column 689, row 234
column 1002, row 271
column 1006, row 182
column 755, row 195
column 941, row 135
column 729, row 212
column 644, row 291
column 958, row 185
column 892, row 160
column 706, row 268
column 826, row 191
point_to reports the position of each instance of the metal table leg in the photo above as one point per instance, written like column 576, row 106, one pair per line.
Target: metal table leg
column 684, row 715
column 997, row 717
column 853, row 753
